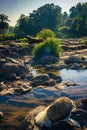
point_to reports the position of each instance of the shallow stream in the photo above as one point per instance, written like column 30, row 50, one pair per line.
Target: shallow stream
column 16, row 107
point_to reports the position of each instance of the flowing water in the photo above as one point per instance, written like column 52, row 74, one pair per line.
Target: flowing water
column 16, row 107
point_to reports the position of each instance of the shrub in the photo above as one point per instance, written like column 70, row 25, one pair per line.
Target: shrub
column 63, row 32
column 45, row 33
column 8, row 36
column 51, row 46
column 85, row 40
column 24, row 44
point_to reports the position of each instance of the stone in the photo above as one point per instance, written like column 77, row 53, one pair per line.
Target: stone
column 9, row 91
column 58, row 79
column 54, row 113
column 48, row 60
column 73, row 59
column 68, row 83
column 32, row 40
column 29, row 122
column 1, row 116
column 39, row 80
column 76, row 66
column 10, row 68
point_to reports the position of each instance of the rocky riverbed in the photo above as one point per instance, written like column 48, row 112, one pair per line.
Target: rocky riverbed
column 25, row 85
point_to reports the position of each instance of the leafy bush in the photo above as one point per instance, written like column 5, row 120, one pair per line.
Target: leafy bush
column 23, row 40
column 51, row 46
column 63, row 32
column 85, row 40
column 8, row 36
column 45, row 33
column 24, row 44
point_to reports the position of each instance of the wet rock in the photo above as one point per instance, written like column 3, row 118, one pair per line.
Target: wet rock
column 47, row 60
column 2, row 86
column 81, row 103
column 30, row 123
column 9, row 91
column 23, row 89
column 76, row 66
column 60, row 86
column 39, row 80
column 8, row 68
column 73, row 59
column 80, row 116
column 1, row 115
column 70, row 83
column 58, row 79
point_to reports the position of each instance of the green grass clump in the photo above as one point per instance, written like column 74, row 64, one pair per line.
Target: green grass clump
column 24, row 44
column 85, row 40
column 8, row 36
column 51, row 46
column 45, row 33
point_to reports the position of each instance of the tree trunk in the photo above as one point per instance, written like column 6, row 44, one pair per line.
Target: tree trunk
column 3, row 34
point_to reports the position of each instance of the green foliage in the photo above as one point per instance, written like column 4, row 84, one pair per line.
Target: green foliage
column 47, row 16
column 45, row 33
column 4, row 23
column 51, row 46
column 63, row 32
column 21, row 28
column 85, row 40
column 78, row 27
column 8, row 36
column 23, row 40
column 24, row 44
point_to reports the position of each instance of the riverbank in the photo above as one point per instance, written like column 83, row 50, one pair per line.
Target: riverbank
column 25, row 86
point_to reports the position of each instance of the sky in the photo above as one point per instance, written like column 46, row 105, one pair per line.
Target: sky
column 14, row 8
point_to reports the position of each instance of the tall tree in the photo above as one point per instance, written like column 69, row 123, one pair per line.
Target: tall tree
column 45, row 17
column 4, row 23
column 21, row 28
column 79, row 25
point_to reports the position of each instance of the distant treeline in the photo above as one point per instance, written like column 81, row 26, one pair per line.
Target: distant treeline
column 50, row 16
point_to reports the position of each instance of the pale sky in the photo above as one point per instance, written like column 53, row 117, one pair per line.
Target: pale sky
column 14, row 8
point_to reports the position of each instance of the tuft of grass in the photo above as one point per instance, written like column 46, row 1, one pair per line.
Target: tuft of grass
column 24, row 44
column 51, row 46
column 45, row 33
column 8, row 36
column 85, row 40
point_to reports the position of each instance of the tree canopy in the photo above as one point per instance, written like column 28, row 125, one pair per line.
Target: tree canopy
column 4, row 23
column 50, row 17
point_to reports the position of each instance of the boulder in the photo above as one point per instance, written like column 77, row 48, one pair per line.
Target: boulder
column 75, row 66
column 39, row 80
column 9, row 91
column 1, row 116
column 79, row 115
column 74, row 59
column 48, row 59
column 12, row 69
column 57, row 78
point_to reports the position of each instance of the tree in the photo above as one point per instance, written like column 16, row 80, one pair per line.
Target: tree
column 79, row 25
column 21, row 28
column 4, row 23
column 45, row 17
